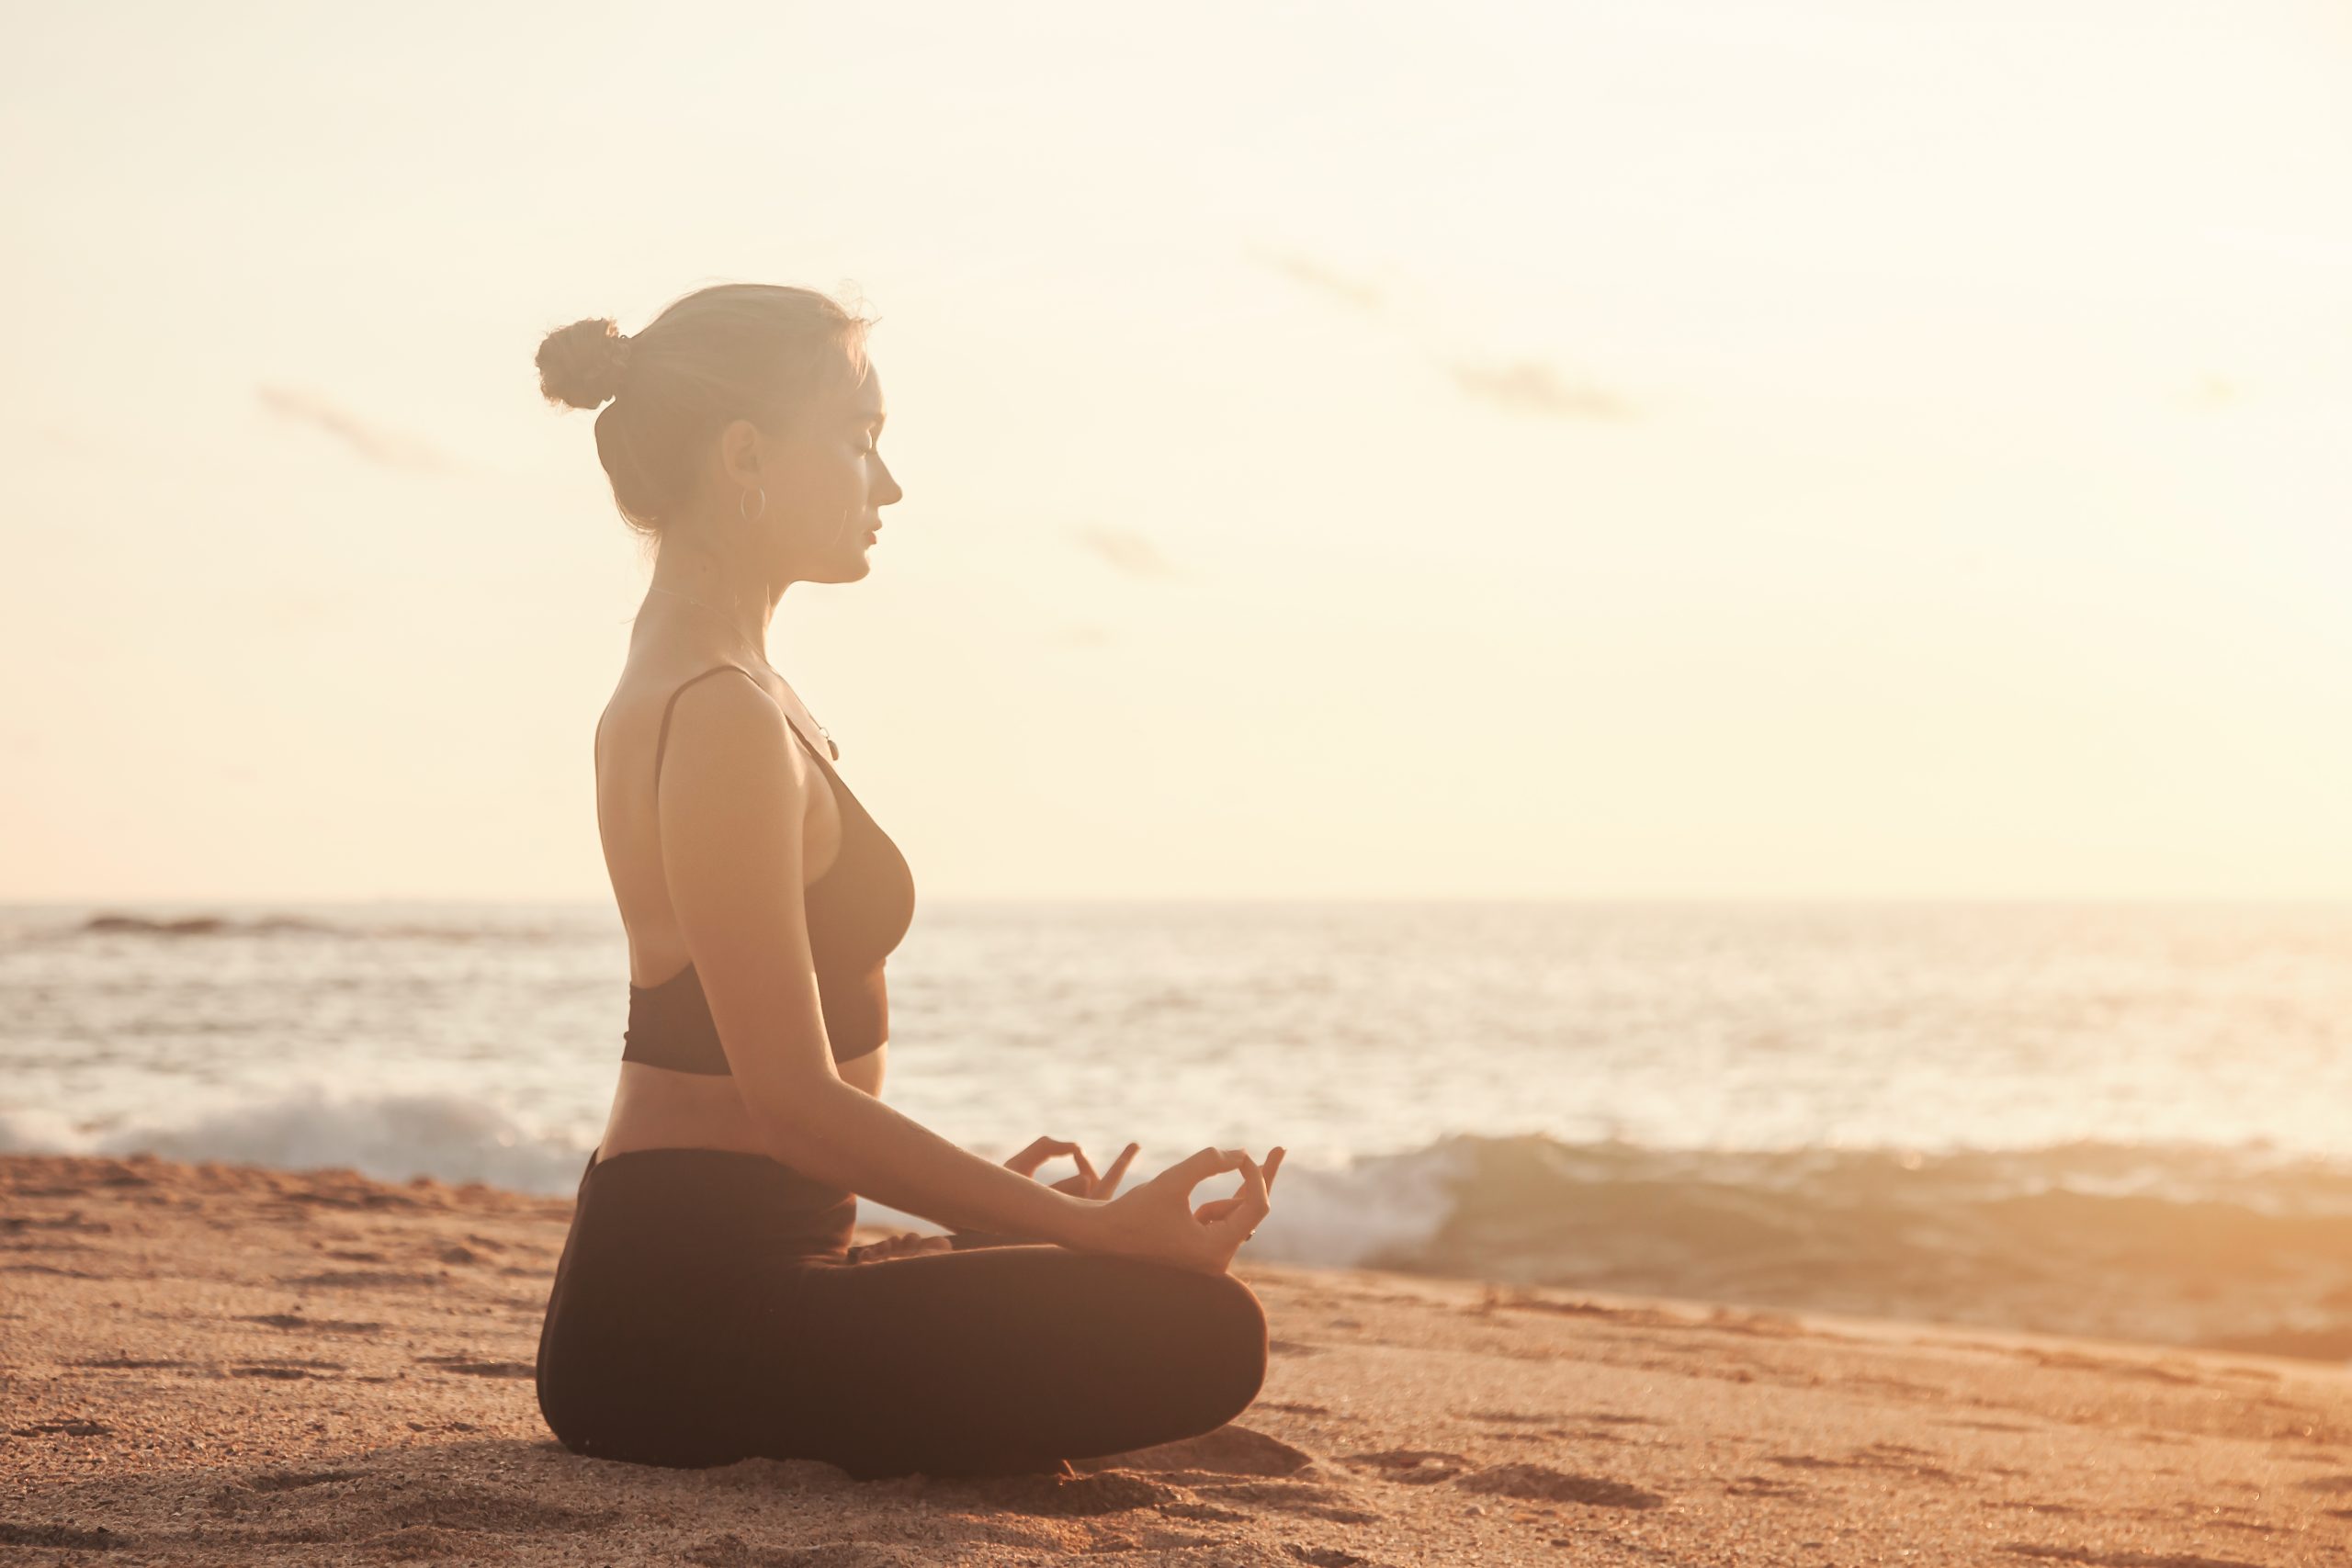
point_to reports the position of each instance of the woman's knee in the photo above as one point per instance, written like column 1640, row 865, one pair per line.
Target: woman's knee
column 1226, row 1324
column 1250, row 1343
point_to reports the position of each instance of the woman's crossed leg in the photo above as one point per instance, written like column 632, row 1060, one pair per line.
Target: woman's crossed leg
column 1004, row 1358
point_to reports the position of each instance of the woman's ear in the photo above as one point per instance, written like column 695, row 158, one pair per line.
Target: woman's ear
column 741, row 448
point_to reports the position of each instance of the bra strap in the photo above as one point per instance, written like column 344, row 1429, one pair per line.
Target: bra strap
column 662, row 739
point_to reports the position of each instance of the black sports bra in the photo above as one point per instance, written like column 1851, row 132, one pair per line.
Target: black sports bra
column 857, row 913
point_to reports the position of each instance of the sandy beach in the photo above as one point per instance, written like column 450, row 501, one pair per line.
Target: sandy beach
column 231, row 1364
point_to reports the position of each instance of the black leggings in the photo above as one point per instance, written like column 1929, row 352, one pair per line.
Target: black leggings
column 704, row 1312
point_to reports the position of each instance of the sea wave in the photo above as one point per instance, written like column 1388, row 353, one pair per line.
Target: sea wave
column 2241, row 1248
column 391, row 1136
column 21, row 925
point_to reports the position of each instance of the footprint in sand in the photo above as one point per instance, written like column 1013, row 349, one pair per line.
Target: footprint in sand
column 1764, row 1486
column 1541, row 1484
column 283, row 1372
column 71, row 1426
column 2097, row 1559
column 73, row 1535
column 1203, row 1513
column 380, row 1505
column 322, row 1325
column 1310, row 1498
column 472, row 1368
column 362, row 1279
column 15, row 1224
column 294, row 1480
column 1900, row 1457
column 48, row 1268
column 1413, row 1467
column 1326, row 1557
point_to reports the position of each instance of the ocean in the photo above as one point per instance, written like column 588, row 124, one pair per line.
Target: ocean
column 2133, row 1121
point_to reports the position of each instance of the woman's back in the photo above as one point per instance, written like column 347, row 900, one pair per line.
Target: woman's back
column 857, row 889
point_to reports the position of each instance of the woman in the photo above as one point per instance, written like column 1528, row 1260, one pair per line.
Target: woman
column 707, row 1306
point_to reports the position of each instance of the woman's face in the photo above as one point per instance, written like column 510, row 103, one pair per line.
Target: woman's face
column 826, row 485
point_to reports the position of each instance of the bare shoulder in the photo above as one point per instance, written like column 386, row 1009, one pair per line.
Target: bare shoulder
column 726, row 735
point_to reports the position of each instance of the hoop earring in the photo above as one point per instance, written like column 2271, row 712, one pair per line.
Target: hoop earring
column 752, row 516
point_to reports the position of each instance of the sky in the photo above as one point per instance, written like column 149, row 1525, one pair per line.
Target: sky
column 1663, row 450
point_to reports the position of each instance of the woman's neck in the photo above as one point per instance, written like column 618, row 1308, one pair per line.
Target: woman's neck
column 708, row 592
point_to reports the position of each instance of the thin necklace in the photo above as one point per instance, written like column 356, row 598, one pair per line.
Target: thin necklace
column 830, row 744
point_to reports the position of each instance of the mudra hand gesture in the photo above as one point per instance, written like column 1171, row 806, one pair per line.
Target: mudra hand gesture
column 1156, row 1220
column 1143, row 1223
column 1085, row 1184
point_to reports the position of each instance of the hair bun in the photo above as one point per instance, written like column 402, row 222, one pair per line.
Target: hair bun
column 581, row 366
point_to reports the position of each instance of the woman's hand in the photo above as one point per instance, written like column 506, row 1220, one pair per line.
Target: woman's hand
column 1218, row 1209
column 1156, row 1220
column 1085, row 1184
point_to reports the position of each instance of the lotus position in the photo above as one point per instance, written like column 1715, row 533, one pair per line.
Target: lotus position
column 707, row 1306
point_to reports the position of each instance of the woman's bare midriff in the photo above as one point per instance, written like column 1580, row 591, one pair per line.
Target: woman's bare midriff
column 656, row 1108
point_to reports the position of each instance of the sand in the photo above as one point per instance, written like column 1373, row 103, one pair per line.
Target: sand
column 227, row 1364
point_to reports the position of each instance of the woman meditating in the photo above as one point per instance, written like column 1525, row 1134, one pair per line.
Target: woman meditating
column 707, row 1306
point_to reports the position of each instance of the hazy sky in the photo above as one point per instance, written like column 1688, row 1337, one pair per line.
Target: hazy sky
column 1645, row 449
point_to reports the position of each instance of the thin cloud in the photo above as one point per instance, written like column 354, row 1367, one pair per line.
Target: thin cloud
column 1126, row 551
column 1324, row 280
column 388, row 448
column 1526, row 386
column 1529, row 386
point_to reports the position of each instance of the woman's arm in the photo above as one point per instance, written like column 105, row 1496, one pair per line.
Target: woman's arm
column 733, row 797
column 864, row 1073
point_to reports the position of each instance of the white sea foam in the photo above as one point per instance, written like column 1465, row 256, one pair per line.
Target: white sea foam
column 1901, row 1109
column 391, row 1137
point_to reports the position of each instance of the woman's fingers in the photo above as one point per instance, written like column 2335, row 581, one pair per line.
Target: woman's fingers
column 1117, row 1173
column 1027, row 1161
column 1253, row 1194
column 1249, row 1206
column 1219, row 1208
column 1195, row 1169
column 1039, row 1151
column 1088, row 1182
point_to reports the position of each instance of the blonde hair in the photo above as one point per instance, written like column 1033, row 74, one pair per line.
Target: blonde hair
column 756, row 351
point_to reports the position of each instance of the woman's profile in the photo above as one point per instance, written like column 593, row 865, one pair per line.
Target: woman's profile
column 707, row 1306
